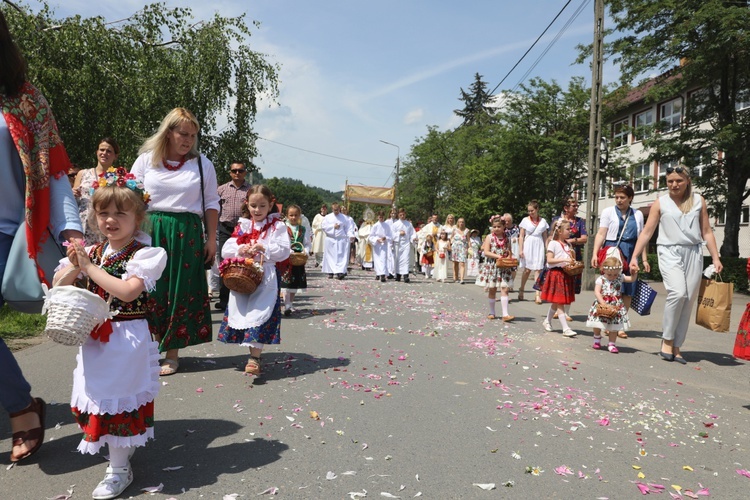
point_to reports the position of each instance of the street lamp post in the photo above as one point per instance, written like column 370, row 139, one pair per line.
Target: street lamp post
column 398, row 166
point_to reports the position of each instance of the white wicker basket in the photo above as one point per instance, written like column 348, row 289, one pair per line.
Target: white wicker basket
column 72, row 313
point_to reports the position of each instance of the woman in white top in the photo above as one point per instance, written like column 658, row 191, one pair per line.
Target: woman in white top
column 180, row 314
column 682, row 217
column 532, row 239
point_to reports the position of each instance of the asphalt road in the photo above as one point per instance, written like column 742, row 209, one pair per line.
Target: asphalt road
column 405, row 390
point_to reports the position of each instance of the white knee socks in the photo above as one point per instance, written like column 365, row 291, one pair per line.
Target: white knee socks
column 504, row 305
column 492, row 306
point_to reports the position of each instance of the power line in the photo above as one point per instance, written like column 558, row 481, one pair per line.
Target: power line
column 320, row 171
column 532, row 46
column 327, row 155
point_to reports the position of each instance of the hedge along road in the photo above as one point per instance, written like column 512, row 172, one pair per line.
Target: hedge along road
column 406, row 390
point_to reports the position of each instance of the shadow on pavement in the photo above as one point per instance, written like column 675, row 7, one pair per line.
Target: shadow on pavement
column 178, row 443
column 281, row 365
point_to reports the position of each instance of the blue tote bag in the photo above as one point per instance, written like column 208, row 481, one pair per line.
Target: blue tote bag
column 643, row 298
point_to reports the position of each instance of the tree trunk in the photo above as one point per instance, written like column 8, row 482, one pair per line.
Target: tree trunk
column 730, row 247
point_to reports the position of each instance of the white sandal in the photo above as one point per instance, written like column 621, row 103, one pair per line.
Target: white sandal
column 116, row 480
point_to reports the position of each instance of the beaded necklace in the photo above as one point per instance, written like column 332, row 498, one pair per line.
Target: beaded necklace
column 109, row 263
column 176, row 167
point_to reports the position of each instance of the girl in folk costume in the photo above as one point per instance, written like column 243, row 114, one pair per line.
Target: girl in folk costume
column 428, row 255
column 380, row 240
column 296, row 279
column 608, row 291
column 117, row 376
column 442, row 247
column 254, row 320
column 558, row 287
column 496, row 245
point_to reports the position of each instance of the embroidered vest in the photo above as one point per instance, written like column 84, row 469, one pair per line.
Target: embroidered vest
column 115, row 264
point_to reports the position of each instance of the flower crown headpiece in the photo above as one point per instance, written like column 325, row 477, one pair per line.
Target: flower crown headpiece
column 611, row 268
column 496, row 216
column 118, row 176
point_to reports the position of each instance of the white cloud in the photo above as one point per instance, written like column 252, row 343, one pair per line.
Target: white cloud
column 414, row 116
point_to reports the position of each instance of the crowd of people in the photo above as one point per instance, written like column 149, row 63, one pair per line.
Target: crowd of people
column 142, row 239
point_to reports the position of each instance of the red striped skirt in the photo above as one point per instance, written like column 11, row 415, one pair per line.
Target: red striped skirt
column 558, row 287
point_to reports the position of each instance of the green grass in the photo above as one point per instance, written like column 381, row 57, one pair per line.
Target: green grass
column 16, row 325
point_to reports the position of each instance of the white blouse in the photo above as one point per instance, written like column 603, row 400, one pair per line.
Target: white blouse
column 178, row 190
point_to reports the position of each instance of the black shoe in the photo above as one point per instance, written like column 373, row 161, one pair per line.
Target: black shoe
column 377, row 278
column 219, row 306
column 382, row 279
column 406, row 279
column 287, row 312
column 330, row 276
column 340, row 276
column 390, row 276
column 680, row 360
column 398, row 277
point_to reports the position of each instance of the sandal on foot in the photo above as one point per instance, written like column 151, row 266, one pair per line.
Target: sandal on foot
column 509, row 318
column 622, row 334
column 613, row 349
column 545, row 324
column 116, row 480
column 253, row 366
column 39, row 407
column 597, row 343
column 490, row 316
column 169, row 367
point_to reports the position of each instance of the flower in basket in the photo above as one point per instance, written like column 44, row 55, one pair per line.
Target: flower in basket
column 233, row 261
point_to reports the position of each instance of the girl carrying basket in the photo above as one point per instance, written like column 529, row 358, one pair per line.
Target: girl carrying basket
column 254, row 320
column 117, row 376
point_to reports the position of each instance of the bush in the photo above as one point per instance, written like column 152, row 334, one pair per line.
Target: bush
column 734, row 271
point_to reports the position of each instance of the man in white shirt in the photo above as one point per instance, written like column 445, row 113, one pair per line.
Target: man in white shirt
column 392, row 218
column 338, row 232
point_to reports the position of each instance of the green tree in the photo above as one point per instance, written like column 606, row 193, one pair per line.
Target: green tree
column 477, row 101
column 710, row 38
column 295, row 192
column 120, row 78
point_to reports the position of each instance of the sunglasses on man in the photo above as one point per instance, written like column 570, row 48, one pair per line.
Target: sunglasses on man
column 679, row 170
column 238, row 170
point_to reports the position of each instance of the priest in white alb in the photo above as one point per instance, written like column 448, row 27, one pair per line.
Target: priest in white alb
column 403, row 235
column 380, row 239
column 337, row 232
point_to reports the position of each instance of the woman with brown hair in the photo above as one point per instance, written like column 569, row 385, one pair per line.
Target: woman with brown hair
column 577, row 239
column 173, row 172
column 531, row 242
column 106, row 155
column 619, row 226
column 683, row 223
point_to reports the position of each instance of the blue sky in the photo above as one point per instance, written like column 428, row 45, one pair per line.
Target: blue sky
column 354, row 73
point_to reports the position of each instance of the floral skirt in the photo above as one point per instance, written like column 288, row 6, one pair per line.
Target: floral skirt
column 267, row 333
column 180, row 312
column 558, row 287
column 106, row 428
column 296, row 279
column 742, row 341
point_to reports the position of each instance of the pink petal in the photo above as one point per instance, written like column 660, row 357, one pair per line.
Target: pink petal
column 643, row 488
column 743, row 472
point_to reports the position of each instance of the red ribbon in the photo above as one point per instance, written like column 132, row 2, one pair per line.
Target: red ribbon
column 102, row 332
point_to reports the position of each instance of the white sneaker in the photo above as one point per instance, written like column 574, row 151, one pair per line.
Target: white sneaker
column 546, row 325
column 116, row 479
column 569, row 332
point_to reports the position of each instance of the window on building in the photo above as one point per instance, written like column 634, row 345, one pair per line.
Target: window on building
column 641, row 177
column 663, row 166
column 700, row 161
column 697, row 105
column 602, row 187
column 620, row 133
column 643, row 123
column 582, row 189
column 740, row 105
column 744, row 217
column 671, row 115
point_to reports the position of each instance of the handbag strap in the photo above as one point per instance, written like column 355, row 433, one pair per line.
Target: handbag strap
column 203, row 197
column 624, row 225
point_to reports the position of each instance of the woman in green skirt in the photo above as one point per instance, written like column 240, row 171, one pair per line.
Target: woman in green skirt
column 168, row 163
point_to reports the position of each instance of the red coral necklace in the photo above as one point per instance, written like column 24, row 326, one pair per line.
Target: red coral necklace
column 176, row 167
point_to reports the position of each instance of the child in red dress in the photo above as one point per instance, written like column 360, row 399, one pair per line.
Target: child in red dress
column 558, row 287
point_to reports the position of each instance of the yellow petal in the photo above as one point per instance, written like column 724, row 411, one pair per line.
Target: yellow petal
column 677, row 487
column 641, row 475
column 314, row 414
column 687, row 467
column 637, row 467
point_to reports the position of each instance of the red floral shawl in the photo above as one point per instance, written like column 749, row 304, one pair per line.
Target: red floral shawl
column 34, row 132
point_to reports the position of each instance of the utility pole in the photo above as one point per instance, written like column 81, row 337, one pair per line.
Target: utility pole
column 595, row 145
column 398, row 168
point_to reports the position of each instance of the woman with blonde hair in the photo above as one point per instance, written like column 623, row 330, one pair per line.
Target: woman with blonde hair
column 682, row 217
column 173, row 172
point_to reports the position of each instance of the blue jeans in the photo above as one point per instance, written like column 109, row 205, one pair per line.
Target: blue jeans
column 15, row 391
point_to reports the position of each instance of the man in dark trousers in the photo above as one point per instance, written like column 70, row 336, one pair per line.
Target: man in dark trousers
column 231, row 197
